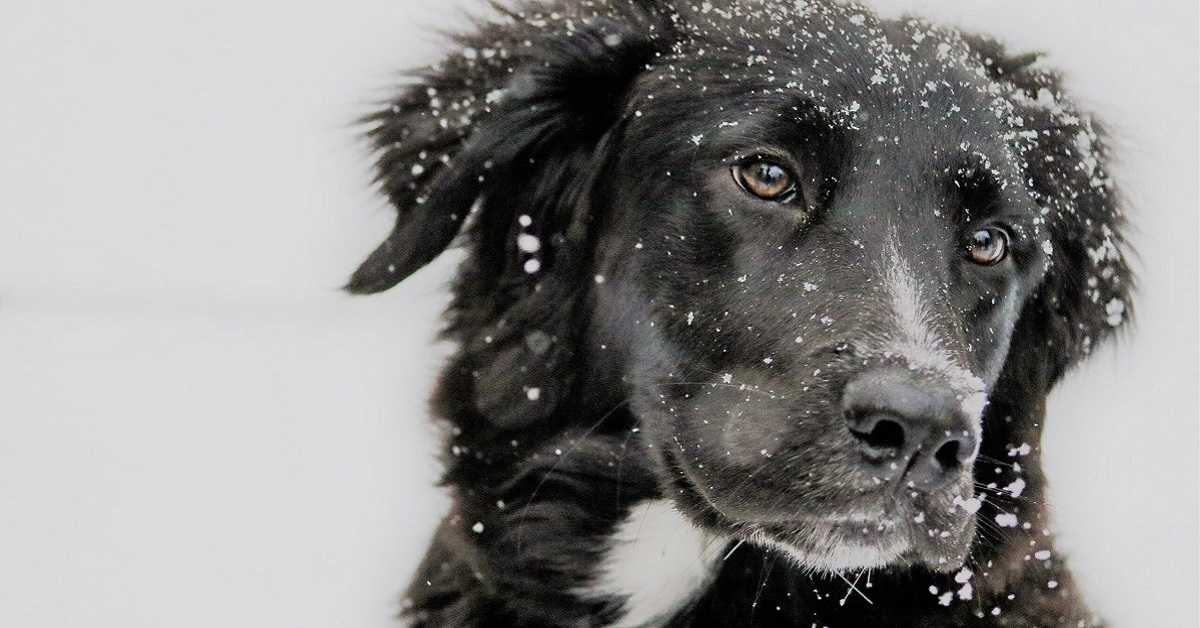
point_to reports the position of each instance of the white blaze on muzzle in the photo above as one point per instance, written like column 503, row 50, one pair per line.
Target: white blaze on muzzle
column 915, row 340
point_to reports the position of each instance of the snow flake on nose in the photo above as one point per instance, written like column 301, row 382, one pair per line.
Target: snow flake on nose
column 974, row 403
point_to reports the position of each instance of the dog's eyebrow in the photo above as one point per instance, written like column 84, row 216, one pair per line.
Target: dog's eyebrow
column 974, row 164
column 793, row 125
column 975, row 187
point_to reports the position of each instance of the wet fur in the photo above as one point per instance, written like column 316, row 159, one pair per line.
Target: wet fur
column 549, row 402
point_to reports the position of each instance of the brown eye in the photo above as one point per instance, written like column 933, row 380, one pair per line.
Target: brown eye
column 988, row 246
column 765, row 179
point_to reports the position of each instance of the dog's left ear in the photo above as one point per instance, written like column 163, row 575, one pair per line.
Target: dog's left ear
column 1084, row 298
column 514, row 120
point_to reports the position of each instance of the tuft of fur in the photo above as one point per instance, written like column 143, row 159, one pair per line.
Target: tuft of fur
column 574, row 147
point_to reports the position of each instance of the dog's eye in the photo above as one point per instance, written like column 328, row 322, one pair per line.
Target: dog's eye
column 988, row 246
column 765, row 179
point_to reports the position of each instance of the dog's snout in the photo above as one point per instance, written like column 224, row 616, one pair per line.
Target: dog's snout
column 909, row 431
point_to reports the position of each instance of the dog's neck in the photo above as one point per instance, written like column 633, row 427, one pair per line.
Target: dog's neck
column 656, row 564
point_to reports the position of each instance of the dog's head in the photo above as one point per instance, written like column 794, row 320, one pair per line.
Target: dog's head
column 827, row 259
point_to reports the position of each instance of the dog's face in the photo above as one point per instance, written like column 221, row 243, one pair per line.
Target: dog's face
column 817, row 243
column 821, row 283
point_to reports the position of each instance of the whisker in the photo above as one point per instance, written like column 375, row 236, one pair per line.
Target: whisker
column 734, row 549
column 853, row 588
column 762, row 583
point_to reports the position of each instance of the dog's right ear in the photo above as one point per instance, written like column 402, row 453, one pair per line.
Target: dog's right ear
column 1086, row 294
column 536, row 88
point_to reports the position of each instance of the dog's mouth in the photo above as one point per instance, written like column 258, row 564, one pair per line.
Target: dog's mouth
column 929, row 529
column 834, row 544
column 838, row 543
column 794, row 476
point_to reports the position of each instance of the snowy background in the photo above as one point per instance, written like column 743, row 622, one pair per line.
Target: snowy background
column 198, row 429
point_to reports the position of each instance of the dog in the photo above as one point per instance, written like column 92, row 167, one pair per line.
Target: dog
column 761, row 305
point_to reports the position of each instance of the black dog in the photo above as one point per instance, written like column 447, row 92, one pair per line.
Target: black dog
column 762, row 304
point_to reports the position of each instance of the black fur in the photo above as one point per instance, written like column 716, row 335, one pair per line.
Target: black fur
column 591, row 371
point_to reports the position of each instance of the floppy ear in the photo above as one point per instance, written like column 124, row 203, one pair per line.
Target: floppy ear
column 1083, row 299
column 514, row 128
column 512, row 119
column 1085, row 295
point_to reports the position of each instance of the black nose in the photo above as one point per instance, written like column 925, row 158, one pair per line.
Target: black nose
column 909, row 431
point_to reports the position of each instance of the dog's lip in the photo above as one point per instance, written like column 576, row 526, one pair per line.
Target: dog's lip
column 880, row 509
column 897, row 541
column 896, row 532
column 856, row 525
column 834, row 545
column 898, row 525
column 854, row 519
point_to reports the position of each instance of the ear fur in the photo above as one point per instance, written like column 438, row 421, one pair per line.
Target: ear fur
column 1084, row 298
column 514, row 128
column 510, row 119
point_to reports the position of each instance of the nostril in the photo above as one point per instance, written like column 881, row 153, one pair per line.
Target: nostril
column 883, row 434
column 900, row 419
column 947, row 454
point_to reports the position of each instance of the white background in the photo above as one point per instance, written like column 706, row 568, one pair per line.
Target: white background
column 198, row 429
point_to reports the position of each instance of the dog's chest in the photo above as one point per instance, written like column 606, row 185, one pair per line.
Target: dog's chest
column 657, row 562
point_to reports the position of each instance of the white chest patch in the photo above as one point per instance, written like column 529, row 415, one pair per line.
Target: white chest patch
column 657, row 562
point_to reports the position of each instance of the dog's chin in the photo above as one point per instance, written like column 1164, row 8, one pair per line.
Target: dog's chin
column 828, row 549
column 835, row 545
column 931, row 531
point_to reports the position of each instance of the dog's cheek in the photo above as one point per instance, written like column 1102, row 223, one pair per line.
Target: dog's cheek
column 732, row 427
column 755, row 453
column 988, row 325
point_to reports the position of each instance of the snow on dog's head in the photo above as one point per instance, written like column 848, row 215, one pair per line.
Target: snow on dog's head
column 802, row 266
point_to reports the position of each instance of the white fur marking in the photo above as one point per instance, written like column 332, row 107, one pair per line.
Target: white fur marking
column 658, row 563
column 918, row 344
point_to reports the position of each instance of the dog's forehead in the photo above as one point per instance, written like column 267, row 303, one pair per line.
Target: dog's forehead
column 901, row 90
column 844, row 60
